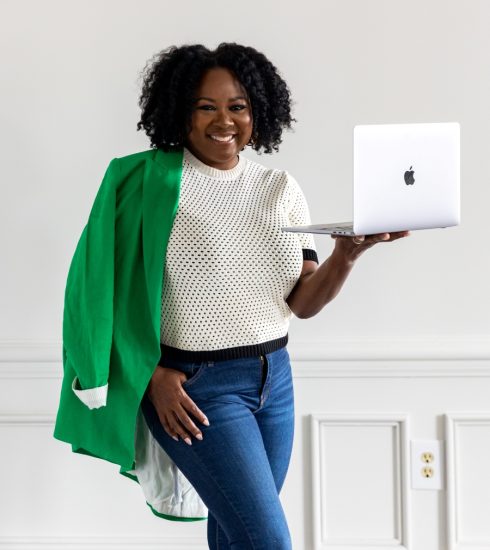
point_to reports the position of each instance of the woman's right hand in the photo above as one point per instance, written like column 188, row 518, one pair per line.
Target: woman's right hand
column 172, row 403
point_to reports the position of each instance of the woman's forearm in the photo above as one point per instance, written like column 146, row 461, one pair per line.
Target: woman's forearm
column 313, row 291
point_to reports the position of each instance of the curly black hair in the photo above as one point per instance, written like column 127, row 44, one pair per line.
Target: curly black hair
column 171, row 77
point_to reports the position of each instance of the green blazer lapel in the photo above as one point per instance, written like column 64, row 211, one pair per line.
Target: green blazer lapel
column 161, row 192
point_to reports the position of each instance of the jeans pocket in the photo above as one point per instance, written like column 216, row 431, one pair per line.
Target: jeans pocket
column 195, row 374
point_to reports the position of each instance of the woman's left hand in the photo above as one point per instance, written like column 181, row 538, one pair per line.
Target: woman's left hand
column 353, row 247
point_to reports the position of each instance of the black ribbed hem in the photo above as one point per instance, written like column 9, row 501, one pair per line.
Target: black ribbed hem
column 310, row 254
column 221, row 354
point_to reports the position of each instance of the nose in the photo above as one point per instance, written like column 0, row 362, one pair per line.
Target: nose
column 223, row 117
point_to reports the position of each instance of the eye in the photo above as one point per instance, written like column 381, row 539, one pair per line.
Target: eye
column 205, row 107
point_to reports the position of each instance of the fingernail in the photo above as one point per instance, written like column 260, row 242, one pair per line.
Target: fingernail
column 188, row 440
column 205, row 422
column 175, row 437
column 199, row 436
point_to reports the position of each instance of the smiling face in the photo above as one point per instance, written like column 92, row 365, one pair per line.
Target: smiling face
column 222, row 108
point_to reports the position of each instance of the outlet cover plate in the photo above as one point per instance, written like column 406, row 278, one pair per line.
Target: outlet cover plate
column 433, row 449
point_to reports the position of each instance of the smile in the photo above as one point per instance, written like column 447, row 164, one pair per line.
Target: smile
column 222, row 139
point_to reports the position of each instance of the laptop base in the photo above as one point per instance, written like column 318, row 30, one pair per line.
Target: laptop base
column 344, row 228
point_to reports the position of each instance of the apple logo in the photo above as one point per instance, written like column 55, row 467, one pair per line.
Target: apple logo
column 408, row 176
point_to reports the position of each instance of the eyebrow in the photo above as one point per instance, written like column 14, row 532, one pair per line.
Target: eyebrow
column 231, row 98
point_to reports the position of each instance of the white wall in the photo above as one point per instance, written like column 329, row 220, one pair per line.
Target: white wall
column 409, row 332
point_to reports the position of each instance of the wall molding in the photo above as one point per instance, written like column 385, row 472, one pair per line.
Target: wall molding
column 435, row 356
column 101, row 543
column 435, row 347
column 21, row 419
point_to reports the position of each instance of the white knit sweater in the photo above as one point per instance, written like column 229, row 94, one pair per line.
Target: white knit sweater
column 229, row 268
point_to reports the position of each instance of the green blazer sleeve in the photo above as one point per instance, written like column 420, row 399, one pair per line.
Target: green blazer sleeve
column 89, row 297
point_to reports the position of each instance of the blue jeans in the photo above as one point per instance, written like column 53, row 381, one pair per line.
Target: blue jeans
column 239, row 467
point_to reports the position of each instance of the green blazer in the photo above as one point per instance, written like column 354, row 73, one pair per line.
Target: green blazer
column 111, row 325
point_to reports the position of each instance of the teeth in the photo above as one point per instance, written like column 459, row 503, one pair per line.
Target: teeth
column 219, row 138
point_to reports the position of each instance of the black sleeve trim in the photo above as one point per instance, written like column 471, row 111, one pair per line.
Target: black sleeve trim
column 310, row 254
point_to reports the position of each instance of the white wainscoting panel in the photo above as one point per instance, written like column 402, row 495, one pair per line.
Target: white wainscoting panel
column 468, row 483
column 358, row 403
column 360, row 481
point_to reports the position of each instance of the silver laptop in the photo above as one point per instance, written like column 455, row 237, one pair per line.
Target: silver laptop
column 406, row 177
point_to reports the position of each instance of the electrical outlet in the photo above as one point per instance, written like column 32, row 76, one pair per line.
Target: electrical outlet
column 427, row 464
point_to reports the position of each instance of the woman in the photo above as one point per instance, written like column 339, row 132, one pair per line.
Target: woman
column 220, row 403
column 183, row 263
